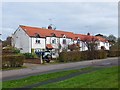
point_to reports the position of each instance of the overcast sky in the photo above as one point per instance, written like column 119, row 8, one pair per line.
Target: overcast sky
column 82, row 17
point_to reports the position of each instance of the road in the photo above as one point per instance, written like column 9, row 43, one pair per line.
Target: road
column 42, row 69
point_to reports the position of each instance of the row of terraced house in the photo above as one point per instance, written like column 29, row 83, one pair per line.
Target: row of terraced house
column 33, row 39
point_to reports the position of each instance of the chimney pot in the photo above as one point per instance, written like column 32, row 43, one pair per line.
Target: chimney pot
column 49, row 27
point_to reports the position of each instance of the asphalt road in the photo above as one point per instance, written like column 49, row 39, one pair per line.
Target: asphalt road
column 42, row 69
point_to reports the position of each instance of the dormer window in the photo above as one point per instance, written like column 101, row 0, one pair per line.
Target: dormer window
column 53, row 34
column 63, row 36
column 37, row 35
column 78, row 41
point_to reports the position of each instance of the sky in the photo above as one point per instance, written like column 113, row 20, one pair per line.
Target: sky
column 77, row 17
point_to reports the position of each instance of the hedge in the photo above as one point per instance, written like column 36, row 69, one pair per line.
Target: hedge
column 10, row 50
column 84, row 55
column 12, row 61
column 30, row 55
column 113, row 53
column 69, row 56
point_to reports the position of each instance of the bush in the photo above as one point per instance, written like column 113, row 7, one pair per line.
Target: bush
column 84, row 55
column 101, row 54
column 113, row 53
column 98, row 54
column 12, row 61
column 10, row 50
column 16, row 51
column 69, row 56
column 30, row 55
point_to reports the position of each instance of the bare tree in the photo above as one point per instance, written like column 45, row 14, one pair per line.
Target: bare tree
column 7, row 42
column 90, row 42
column 74, row 47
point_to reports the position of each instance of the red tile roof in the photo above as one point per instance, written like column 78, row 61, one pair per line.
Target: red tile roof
column 31, row 31
column 80, row 36
column 90, row 38
column 101, row 39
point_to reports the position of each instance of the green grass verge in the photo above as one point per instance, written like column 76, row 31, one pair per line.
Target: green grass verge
column 0, row 85
column 35, row 79
column 105, row 78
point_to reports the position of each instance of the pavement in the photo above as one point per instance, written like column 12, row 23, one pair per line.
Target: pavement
column 34, row 69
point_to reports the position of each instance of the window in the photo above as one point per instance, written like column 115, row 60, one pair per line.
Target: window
column 37, row 41
column 98, row 43
column 64, row 41
column 78, row 41
column 54, row 41
column 107, row 44
column 104, row 43
column 53, row 53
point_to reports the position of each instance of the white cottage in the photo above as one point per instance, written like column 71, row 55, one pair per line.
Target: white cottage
column 30, row 39
column 27, row 41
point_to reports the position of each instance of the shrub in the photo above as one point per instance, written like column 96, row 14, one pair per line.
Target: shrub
column 101, row 54
column 70, row 56
column 113, row 53
column 84, row 55
column 74, row 56
column 30, row 55
column 16, row 51
column 12, row 61
column 89, row 55
column 10, row 50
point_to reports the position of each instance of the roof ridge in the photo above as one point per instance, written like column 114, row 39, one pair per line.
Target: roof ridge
column 45, row 29
column 47, row 32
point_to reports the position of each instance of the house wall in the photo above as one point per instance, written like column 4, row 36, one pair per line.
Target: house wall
column 21, row 41
column 38, row 46
column 68, row 42
column 48, row 40
column 83, row 47
column 55, row 45
column 105, row 44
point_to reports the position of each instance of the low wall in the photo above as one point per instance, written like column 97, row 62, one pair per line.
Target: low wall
column 33, row 61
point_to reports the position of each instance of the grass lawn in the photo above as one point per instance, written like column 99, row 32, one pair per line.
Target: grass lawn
column 105, row 78
column 0, row 85
column 34, row 79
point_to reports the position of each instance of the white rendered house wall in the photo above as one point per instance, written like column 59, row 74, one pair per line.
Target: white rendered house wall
column 38, row 44
column 21, row 41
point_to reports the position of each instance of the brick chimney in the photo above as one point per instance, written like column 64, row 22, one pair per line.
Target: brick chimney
column 88, row 34
column 49, row 27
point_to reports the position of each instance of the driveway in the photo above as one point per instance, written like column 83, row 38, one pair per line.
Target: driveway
column 42, row 69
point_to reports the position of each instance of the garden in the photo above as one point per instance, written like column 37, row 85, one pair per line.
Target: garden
column 12, row 58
